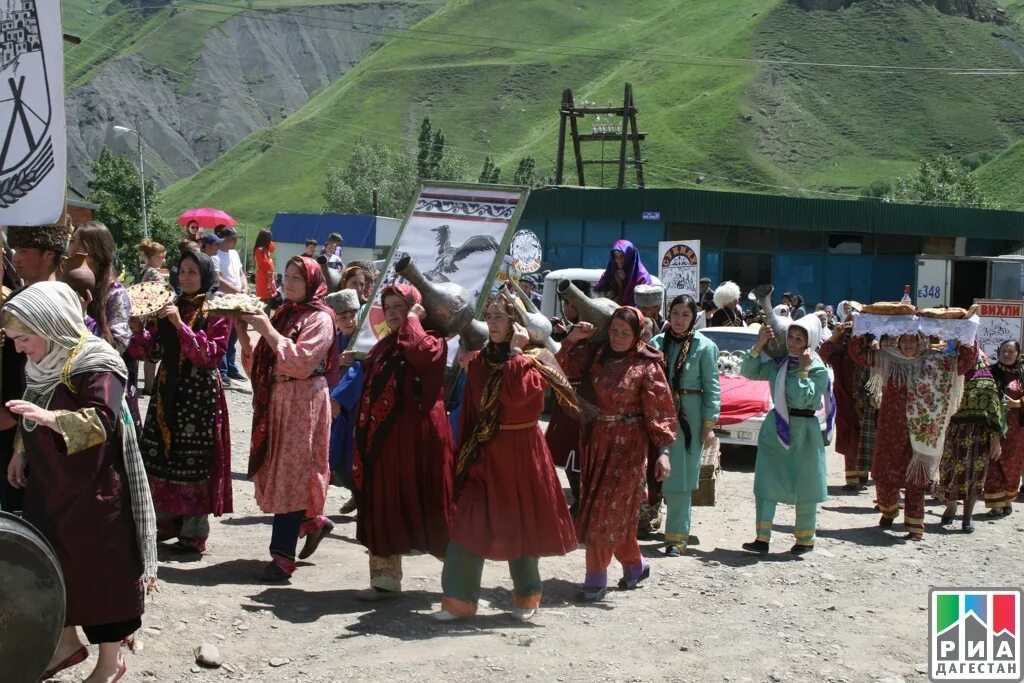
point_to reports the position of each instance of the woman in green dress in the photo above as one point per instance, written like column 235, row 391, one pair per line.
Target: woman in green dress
column 691, row 366
column 790, row 465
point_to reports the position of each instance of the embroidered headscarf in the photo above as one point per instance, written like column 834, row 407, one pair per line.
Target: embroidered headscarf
column 675, row 373
column 288, row 322
column 933, row 391
column 52, row 310
column 811, row 325
column 633, row 274
column 1005, row 375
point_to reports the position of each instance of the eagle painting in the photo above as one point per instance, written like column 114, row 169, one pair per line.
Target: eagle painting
column 449, row 256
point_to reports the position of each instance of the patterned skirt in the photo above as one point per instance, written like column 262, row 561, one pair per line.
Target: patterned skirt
column 964, row 461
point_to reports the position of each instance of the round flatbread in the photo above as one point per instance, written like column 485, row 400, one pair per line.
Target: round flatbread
column 943, row 313
column 234, row 305
column 149, row 297
column 890, row 308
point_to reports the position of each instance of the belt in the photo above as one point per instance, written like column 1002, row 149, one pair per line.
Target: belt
column 518, row 426
column 801, row 412
column 619, row 416
column 684, row 392
column 277, row 379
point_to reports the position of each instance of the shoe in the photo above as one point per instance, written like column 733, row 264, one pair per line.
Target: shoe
column 272, row 573
column 590, row 594
column 692, row 540
column 523, row 613
column 313, row 539
column 948, row 519
column 1008, row 510
column 886, row 522
column 73, row 659
column 181, row 548
column 672, row 551
column 759, row 547
column 351, row 506
column 443, row 615
column 798, row 549
column 376, row 594
column 235, row 374
column 225, row 382
column 632, row 584
column 968, row 527
column 915, row 536
column 851, row 488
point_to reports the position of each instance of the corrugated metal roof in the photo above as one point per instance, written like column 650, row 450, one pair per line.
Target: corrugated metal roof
column 710, row 207
column 296, row 228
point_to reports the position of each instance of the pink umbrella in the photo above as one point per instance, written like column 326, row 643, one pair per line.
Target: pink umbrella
column 206, row 218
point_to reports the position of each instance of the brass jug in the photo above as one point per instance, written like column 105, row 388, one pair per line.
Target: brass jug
column 449, row 310
column 598, row 312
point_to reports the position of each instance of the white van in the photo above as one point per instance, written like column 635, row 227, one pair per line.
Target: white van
column 551, row 303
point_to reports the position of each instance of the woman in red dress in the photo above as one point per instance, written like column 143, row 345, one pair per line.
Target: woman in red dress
column 626, row 383
column 508, row 505
column 403, row 445
column 1002, row 483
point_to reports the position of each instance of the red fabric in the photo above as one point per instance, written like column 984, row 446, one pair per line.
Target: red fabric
column 266, row 287
column 406, row 492
column 614, row 453
column 743, row 399
column 1004, row 474
column 286, row 321
column 847, row 438
column 599, row 555
column 81, row 504
column 511, row 504
column 563, row 433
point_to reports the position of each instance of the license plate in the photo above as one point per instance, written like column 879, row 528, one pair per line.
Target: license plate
column 745, row 436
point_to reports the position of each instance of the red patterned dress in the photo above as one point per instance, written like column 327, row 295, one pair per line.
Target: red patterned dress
column 1002, row 483
column 635, row 409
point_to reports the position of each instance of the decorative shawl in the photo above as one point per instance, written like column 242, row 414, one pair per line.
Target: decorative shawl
column 1004, row 376
column 982, row 401
column 53, row 311
column 288, row 322
column 810, row 324
column 933, row 391
column 633, row 274
column 191, row 456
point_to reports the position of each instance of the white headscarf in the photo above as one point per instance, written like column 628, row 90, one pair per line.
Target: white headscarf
column 810, row 324
column 53, row 311
column 840, row 316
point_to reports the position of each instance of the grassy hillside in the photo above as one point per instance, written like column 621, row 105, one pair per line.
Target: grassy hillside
column 1002, row 179
column 490, row 73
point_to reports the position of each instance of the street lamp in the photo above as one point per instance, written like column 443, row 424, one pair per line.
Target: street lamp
column 142, row 177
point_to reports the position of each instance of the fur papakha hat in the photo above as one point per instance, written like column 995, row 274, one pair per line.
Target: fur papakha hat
column 726, row 292
column 648, row 295
column 343, row 301
column 53, row 237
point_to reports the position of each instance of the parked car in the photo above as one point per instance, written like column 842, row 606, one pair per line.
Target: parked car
column 551, row 304
column 745, row 402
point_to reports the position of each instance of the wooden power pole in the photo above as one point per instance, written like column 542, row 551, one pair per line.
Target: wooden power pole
column 629, row 132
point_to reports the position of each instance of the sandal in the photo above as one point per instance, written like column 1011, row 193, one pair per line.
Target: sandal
column 73, row 659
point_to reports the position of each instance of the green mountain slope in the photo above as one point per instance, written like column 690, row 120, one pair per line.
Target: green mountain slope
column 490, row 73
column 1002, row 179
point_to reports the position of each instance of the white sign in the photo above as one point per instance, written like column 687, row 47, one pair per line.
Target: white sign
column 455, row 233
column 1000, row 320
column 33, row 151
column 679, row 268
column 932, row 282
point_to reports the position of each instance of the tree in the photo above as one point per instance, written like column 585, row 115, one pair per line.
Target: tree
column 942, row 180
column 434, row 161
column 526, row 173
column 371, row 166
column 423, row 149
column 490, row 172
column 115, row 187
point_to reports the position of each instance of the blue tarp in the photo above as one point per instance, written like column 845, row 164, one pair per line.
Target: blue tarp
column 296, row 228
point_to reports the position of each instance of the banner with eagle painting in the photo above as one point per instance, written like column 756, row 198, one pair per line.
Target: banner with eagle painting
column 33, row 149
column 454, row 233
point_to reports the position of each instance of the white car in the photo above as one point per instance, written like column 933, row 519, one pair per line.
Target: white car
column 745, row 402
column 551, row 304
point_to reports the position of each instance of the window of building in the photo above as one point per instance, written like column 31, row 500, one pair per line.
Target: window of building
column 850, row 243
column 750, row 239
column 710, row 236
column 800, row 240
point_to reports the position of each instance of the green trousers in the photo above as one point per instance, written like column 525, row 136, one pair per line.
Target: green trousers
column 463, row 570
column 806, row 521
column 677, row 523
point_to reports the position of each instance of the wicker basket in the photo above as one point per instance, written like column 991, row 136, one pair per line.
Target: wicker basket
column 710, row 467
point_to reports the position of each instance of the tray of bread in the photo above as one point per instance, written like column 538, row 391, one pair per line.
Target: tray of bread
column 149, row 297
column 235, row 305
column 890, row 308
column 943, row 313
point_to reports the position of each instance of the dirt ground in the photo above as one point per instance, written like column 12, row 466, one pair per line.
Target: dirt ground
column 853, row 610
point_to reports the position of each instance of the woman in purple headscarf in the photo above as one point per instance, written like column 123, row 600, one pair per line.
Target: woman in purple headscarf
column 624, row 272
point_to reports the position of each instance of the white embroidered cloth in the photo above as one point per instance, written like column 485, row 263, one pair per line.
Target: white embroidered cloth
column 964, row 331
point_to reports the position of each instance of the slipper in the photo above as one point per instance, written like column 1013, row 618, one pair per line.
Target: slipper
column 76, row 657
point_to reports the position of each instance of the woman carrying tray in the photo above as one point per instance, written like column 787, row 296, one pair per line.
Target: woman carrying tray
column 915, row 387
column 186, row 440
column 1002, row 483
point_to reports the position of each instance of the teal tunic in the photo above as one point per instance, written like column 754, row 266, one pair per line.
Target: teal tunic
column 699, row 372
column 797, row 475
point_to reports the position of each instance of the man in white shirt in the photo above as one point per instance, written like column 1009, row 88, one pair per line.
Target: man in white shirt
column 232, row 281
